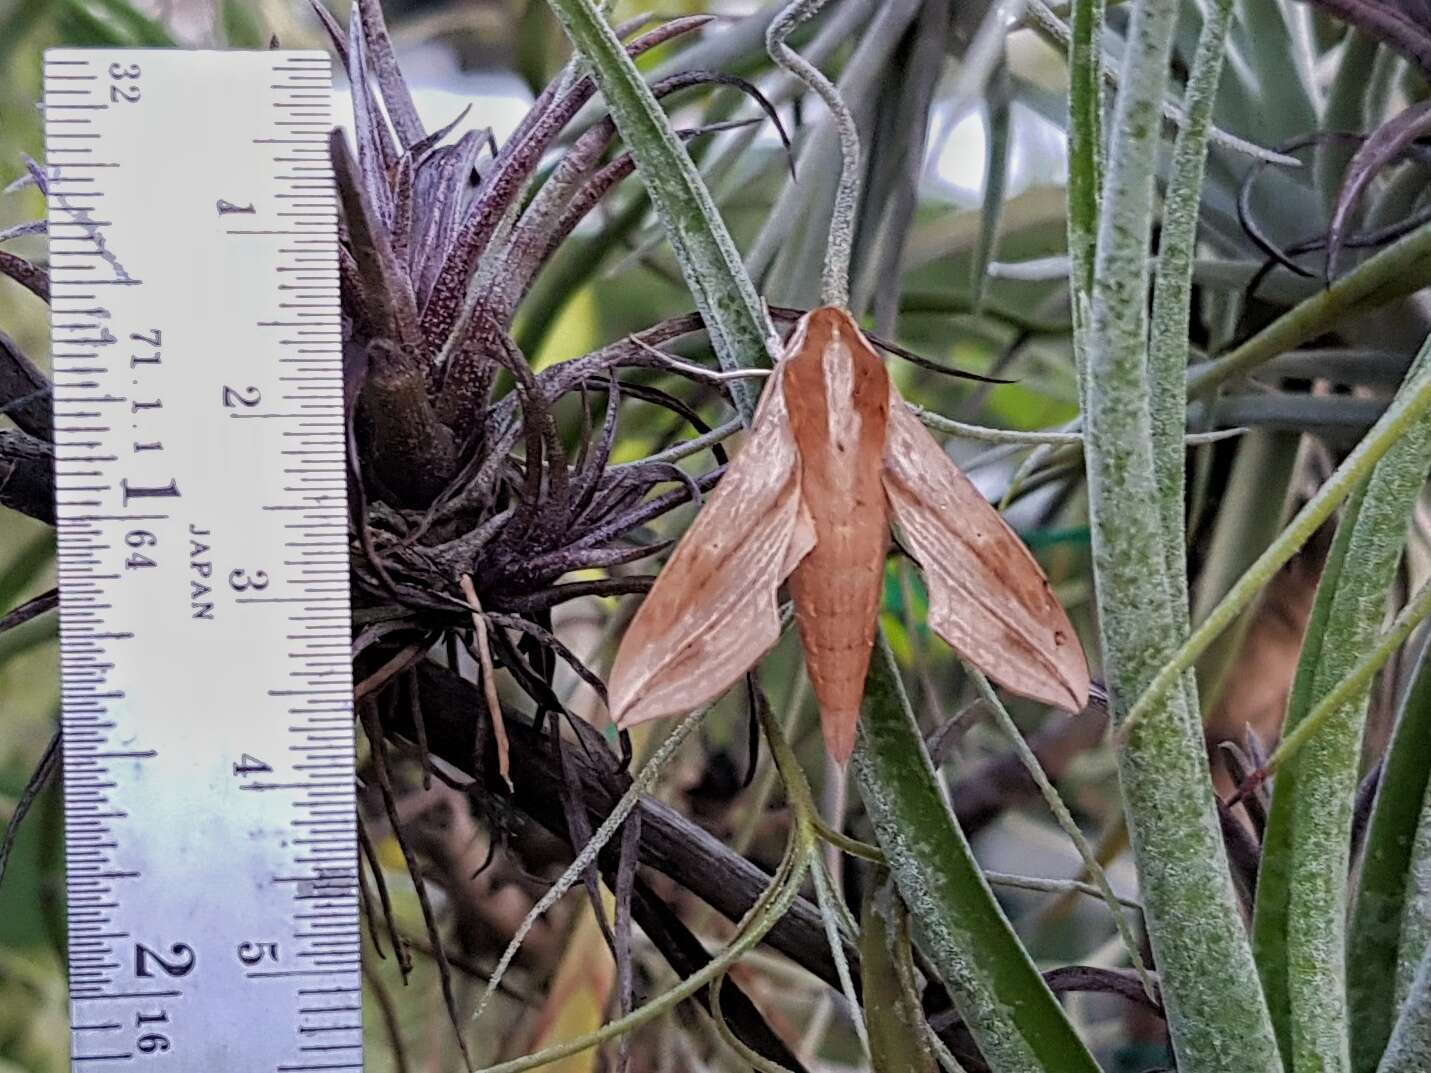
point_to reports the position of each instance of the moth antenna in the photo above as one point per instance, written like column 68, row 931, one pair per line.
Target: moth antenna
column 835, row 280
column 697, row 372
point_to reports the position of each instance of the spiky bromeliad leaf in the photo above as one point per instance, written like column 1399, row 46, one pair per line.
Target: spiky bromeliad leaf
column 441, row 240
column 739, row 328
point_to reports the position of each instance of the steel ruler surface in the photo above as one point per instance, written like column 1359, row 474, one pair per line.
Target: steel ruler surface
column 200, row 476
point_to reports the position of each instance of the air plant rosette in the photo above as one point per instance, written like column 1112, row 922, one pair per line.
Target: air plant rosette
column 461, row 469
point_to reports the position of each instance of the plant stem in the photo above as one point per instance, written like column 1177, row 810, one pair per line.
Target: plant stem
column 835, row 281
column 1085, row 160
column 764, row 915
column 1066, row 823
column 587, row 854
column 1300, row 923
column 1401, row 269
column 827, row 901
column 1354, row 684
column 1172, row 293
column 893, row 1016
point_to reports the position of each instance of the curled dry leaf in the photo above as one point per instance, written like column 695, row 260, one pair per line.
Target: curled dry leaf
column 1383, row 147
column 833, row 457
column 1405, row 25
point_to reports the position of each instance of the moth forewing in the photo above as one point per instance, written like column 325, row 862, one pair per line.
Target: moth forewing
column 834, row 454
column 837, row 392
column 712, row 611
column 988, row 596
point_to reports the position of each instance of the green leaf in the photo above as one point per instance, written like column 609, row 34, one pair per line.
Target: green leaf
column 1345, row 110
column 1015, row 1019
column 570, row 270
column 996, row 176
column 21, row 572
column 536, row 49
column 1410, row 1046
column 804, row 208
column 1085, row 160
column 1285, row 83
column 33, row 864
column 1300, row 924
column 243, row 25
column 1357, row 681
column 1217, row 1017
column 1172, row 292
column 1409, row 406
column 892, row 1014
column 1376, row 933
column 23, row 16
column 1416, row 913
column 1398, row 270
column 1251, row 511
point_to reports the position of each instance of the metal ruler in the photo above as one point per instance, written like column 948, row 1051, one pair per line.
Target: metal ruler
column 201, row 481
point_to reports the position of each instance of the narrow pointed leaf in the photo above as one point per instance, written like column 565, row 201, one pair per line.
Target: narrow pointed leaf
column 1300, row 925
column 391, row 83
column 1410, row 1045
column 1217, row 1016
column 1381, row 149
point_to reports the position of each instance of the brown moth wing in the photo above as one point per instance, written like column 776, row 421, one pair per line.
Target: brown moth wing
column 712, row 612
column 837, row 390
column 988, row 596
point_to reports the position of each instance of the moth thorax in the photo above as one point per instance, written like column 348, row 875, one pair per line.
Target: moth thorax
column 842, row 418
